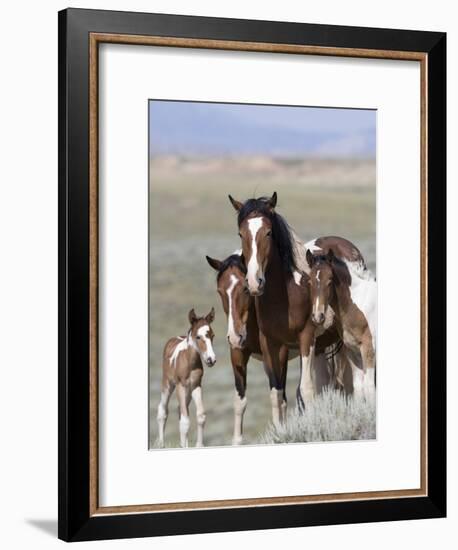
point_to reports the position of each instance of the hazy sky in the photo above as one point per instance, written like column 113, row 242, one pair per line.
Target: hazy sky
column 219, row 129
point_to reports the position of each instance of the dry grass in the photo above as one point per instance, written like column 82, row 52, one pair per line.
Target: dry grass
column 331, row 416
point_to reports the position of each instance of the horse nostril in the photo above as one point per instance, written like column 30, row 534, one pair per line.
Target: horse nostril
column 318, row 318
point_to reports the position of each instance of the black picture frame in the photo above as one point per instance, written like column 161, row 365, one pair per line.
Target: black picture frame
column 76, row 522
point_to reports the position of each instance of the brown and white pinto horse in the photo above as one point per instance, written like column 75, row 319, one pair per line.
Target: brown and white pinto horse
column 242, row 329
column 182, row 368
column 276, row 267
column 352, row 295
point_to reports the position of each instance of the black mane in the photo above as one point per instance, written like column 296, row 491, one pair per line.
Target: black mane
column 234, row 260
column 281, row 232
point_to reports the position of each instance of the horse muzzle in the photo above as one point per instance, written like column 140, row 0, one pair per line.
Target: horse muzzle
column 318, row 318
column 256, row 287
column 236, row 341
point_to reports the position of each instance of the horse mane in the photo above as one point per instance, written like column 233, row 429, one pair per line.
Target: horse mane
column 281, row 231
column 341, row 272
column 234, row 260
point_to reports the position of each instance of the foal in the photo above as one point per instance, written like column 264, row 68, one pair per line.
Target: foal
column 242, row 331
column 352, row 294
column 182, row 368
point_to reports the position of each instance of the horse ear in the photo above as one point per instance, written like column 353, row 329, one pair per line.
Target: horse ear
column 211, row 316
column 309, row 257
column 236, row 204
column 192, row 316
column 216, row 264
column 330, row 255
column 273, row 200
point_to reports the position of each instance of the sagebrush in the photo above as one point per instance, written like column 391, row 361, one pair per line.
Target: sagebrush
column 331, row 416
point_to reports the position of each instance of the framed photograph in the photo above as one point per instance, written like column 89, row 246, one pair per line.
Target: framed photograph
column 252, row 259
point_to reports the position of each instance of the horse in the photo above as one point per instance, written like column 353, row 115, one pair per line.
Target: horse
column 242, row 333
column 243, row 337
column 182, row 368
column 276, row 265
column 352, row 295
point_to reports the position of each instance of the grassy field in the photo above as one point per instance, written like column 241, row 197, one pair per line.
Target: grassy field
column 190, row 217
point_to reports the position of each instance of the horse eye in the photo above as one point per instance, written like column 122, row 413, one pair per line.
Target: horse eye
column 269, row 233
column 197, row 337
column 240, row 235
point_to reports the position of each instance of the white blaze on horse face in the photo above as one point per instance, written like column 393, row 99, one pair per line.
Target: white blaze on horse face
column 253, row 270
column 234, row 338
column 318, row 308
column 208, row 355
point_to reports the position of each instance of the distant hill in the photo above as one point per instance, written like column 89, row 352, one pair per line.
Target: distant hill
column 275, row 170
column 183, row 128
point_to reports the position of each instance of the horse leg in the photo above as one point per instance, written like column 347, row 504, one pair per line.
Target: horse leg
column 183, row 400
column 368, row 357
column 239, row 359
column 307, row 348
column 163, row 409
column 200, row 415
column 344, row 371
column 275, row 357
column 322, row 374
column 284, row 403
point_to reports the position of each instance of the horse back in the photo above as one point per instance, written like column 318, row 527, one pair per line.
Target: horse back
column 174, row 358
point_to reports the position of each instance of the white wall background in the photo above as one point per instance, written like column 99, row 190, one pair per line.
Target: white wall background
column 28, row 274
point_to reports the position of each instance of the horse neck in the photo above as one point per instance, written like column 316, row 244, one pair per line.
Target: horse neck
column 252, row 321
column 192, row 355
column 341, row 301
column 275, row 271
